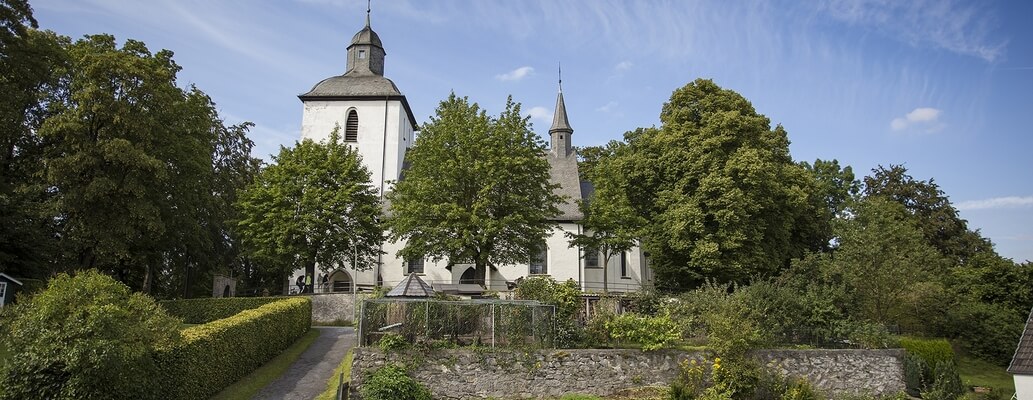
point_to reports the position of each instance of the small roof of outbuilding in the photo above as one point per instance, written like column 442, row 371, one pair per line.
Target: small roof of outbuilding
column 9, row 278
column 1022, row 362
column 411, row 286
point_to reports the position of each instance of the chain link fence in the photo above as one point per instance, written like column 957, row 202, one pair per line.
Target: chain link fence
column 481, row 322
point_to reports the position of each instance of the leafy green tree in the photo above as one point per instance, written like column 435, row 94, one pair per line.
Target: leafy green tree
column 477, row 188
column 937, row 217
column 589, row 156
column 128, row 158
column 611, row 225
column 314, row 206
column 29, row 60
column 721, row 193
column 880, row 257
column 836, row 184
column 84, row 337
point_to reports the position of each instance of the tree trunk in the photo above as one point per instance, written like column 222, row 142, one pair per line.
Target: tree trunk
column 606, row 272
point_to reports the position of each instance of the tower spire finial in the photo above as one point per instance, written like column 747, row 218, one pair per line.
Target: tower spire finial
column 560, row 73
column 367, row 12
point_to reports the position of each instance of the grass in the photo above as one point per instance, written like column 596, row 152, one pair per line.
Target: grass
column 331, row 385
column 248, row 386
column 976, row 372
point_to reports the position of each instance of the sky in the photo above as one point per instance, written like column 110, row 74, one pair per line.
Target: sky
column 942, row 87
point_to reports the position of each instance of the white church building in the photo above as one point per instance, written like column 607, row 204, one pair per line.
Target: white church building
column 376, row 119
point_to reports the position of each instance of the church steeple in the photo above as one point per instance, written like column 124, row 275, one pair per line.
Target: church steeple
column 366, row 52
column 560, row 131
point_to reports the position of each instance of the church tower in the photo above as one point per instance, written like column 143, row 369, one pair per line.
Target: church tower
column 371, row 113
column 559, row 133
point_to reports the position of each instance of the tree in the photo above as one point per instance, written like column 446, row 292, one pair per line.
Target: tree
column 937, row 217
column 84, row 337
column 29, row 60
column 590, row 156
column 611, row 225
column 477, row 188
column 315, row 205
column 881, row 256
column 128, row 158
column 721, row 193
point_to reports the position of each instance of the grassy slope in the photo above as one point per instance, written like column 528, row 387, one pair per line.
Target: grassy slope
column 331, row 385
column 976, row 372
column 248, row 386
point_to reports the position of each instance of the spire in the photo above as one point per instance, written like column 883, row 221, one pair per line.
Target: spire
column 560, row 131
column 560, row 73
column 367, row 12
column 366, row 51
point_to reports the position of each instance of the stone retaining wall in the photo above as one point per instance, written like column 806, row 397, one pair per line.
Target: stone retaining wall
column 332, row 307
column 464, row 374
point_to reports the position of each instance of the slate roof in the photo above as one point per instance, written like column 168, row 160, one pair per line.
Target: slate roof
column 563, row 171
column 367, row 36
column 353, row 84
column 411, row 286
column 1022, row 363
column 559, row 119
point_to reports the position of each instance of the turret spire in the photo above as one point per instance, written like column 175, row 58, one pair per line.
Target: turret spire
column 560, row 131
column 367, row 12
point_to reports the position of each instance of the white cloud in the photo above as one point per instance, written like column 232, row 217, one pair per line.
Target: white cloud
column 623, row 66
column 996, row 202
column 608, row 107
column 925, row 117
column 540, row 113
column 516, row 74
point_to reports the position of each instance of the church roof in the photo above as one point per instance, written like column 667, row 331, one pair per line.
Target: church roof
column 563, row 172
column 353, row 84
column 559, row 119
column 367, row 36
column 1022, row 362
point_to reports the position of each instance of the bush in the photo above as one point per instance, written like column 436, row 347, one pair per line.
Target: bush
column 391, row 382
column 988, row 331
column 200, row 311
column 86, row 336
column 217, row 354
column 930, row 368
column 392, row 341
column 652, row 333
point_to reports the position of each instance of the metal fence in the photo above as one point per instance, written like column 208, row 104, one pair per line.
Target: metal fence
column 483, row 322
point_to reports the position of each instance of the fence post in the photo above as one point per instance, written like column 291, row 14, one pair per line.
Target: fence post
column 340, row 386
column 362, row 318
column 493, row 325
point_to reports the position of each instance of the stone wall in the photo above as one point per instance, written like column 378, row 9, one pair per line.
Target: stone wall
column 333, row 307
column 462, row 374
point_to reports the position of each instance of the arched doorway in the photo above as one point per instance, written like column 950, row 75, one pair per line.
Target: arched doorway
column 340, row 282
column 226, row 291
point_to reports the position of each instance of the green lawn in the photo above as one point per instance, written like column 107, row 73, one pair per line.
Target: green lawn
column 331, row 385
column 976, row 372
column 248, row 386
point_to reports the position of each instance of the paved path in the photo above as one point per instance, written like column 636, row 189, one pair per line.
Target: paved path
column 307, row 377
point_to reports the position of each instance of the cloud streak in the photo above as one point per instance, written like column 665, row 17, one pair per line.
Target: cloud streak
column 996, row 203
column 516, row 74
column 540, row 113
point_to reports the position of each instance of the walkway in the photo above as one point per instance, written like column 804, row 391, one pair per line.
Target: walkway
column 307, row 377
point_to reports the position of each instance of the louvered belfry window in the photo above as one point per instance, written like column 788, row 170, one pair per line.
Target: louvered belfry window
column 351, row 128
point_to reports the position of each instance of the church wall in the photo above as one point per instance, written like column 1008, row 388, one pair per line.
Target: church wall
column 319, row 118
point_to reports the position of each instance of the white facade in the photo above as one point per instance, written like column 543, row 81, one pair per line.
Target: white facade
column 1024, row 387
column 384, row 132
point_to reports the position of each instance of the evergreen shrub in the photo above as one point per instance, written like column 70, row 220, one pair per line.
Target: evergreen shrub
column 391, row 382
column 217, row 354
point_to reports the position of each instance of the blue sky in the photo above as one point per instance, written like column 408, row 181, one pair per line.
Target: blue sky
column 944, row 87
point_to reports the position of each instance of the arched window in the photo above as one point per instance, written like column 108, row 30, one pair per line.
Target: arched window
column 351, row 128
column 539, row 264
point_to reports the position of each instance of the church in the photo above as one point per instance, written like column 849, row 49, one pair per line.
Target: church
column 376, row 119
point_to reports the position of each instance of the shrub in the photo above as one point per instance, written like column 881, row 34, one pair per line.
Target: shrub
column 988, row 331
column 86, row 336
column 652, row 333
column 391, row 382
column 200, row 311
column 930, row 368
column 392, row 341
column 217, row 354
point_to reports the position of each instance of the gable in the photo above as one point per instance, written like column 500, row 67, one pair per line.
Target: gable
column 1022, row 362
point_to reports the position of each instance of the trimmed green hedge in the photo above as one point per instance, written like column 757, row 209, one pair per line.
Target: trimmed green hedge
column 931, row 351
column 217, row 354
column 201, row 311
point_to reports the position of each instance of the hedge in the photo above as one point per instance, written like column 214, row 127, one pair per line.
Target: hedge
column 929, row 366
column 200, row 311
column 931, row 351
column 214, row 355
